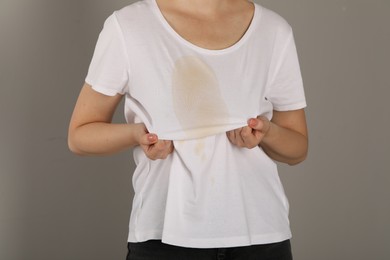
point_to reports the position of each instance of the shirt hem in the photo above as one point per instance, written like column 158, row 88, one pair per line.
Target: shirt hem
column 102, row 89
column 295, row 106
column 211, row 242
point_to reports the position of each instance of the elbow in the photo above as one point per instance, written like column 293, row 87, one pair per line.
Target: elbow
column 73, row 147
column 298, row 159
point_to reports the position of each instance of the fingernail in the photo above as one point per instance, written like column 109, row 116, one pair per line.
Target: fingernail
column 252, row 122
column 152, row 137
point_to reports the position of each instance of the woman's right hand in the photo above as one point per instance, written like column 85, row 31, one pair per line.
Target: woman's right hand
column 154, row 148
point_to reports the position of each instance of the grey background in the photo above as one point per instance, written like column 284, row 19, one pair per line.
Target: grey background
column 55, row 205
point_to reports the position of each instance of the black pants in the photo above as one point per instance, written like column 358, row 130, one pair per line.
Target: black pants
column 155, row 250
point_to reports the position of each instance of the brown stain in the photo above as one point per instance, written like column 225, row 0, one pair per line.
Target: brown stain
column 197, row 98
column 200, row 149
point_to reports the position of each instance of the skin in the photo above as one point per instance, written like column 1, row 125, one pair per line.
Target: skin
column 204, row 23
column 284, row 138
column 92, row 133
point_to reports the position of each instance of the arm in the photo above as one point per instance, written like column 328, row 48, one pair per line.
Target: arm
column 92, row 133
column 287, row 138
column 284, row 138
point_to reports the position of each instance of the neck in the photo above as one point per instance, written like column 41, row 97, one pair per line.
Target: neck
column 201, row 6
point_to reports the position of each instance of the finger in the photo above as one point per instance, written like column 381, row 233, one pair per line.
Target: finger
column 230, row 136
column 152, row 151
column 148, row 139
column 238, row 137
column 256, row 124
column 246, row 132
column 161, row 149
column 266, row 124
column 251, row 137
column 162, row 145
column 168, row 149
column 171, row 147
column 233, row 135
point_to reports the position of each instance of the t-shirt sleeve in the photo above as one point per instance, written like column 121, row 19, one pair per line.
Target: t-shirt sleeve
column 285, row 87
column 108, row 70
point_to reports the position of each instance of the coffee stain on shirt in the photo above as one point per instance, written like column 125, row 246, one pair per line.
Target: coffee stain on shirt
column 200, row 149
column 197, row 98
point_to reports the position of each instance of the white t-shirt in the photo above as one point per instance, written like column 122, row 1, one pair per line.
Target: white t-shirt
column 208, row 192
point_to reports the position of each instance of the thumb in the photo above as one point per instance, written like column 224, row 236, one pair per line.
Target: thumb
column 256, row 124
column 148, row 139
column 260, row 123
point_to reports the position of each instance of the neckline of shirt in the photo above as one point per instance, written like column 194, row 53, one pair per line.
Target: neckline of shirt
column 233, row 47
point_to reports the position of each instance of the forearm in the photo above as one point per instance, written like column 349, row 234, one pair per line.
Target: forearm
column 100, row 138
column 285, row 145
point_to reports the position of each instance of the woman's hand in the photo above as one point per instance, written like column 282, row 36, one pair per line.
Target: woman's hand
column 154, row 148
column 250, row 136
column 91, row 131
column 283, row 139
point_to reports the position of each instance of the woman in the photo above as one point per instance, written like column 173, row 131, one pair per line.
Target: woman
column 213, row 95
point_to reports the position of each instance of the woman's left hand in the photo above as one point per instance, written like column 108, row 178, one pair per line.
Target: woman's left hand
column 250, row 136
